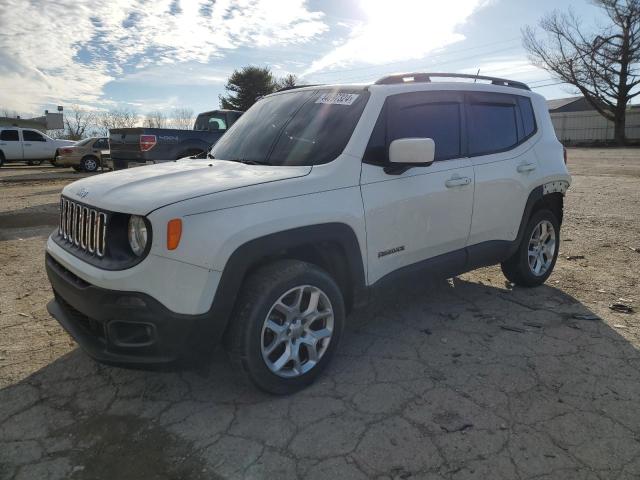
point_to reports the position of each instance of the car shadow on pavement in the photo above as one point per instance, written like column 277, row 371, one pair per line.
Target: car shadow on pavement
column 432, row 380
column 35, row 221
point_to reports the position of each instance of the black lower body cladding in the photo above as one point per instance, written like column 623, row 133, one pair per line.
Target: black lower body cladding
column 126, row 328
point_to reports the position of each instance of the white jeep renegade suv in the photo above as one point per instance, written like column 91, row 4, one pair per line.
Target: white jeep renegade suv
column 312, row 198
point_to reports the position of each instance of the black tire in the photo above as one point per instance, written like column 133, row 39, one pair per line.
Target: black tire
column 35, row 162
column 259, row 294
column 90, row 163
column 77, row 168
column 1, row 159
column 517, row 268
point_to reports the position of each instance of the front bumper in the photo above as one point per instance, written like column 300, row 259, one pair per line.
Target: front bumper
column 120, row 327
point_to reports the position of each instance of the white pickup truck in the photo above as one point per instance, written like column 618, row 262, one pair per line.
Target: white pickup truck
column 28, row 145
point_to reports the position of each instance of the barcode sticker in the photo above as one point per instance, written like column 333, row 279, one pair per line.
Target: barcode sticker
column 338, row 98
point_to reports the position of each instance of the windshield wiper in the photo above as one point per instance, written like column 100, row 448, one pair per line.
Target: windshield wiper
column 250, row 162
column 210, row 156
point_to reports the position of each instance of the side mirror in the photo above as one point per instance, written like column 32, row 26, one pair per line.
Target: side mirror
column 412, row 151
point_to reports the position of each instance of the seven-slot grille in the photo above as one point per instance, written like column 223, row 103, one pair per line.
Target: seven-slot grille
column 83, row 227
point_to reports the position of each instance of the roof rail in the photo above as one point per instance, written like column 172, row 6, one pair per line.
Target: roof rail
column 284, row 89
column 421, row 77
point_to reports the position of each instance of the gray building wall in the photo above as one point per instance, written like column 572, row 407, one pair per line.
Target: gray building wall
column 591, row 127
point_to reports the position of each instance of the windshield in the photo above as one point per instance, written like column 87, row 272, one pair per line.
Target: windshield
column 211, row 122
column 81, row 143
column 308, row 127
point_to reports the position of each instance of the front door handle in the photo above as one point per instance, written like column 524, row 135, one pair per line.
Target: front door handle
column 526, row 167
column 457, row 181
column 27, row 144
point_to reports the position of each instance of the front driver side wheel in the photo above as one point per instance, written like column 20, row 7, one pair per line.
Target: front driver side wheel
column 537, row 253
column 287, row 325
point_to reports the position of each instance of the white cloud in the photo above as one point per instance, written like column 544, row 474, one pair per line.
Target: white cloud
column 67, row 51
column 506, row 66
column 400, row 30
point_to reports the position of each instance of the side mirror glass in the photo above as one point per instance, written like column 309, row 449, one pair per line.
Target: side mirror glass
column 412, row 151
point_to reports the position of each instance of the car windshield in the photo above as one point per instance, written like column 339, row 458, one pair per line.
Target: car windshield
column 307, row 127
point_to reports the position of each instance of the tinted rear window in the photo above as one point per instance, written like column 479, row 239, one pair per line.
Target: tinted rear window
column 492, row 127
column 9, row 135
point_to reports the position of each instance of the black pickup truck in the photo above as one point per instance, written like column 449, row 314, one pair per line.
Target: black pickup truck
column 130, row 146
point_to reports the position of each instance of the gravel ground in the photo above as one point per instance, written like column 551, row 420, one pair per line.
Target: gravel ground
column 456, row 379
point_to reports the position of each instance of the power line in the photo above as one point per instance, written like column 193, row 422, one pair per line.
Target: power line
column 432, row 65
column 437, row 55
column 549, row 84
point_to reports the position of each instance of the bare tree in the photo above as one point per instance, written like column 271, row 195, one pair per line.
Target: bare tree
column 601, row 65
column 77, row 122
column 181, row 118
column 117, row 118
column 155, row 119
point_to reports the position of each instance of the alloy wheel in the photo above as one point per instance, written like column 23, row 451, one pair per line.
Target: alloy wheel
column 542, row 248
column 297, row 331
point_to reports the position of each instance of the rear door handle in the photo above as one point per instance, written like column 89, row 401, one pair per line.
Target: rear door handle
column 456, row 181
column 526, row 167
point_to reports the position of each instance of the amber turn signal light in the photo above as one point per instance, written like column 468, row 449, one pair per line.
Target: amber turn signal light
column 174, row 232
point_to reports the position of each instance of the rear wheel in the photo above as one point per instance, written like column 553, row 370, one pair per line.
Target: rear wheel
column 536, row 256
column 288, row 322
column 34, row 162
column 89, row 164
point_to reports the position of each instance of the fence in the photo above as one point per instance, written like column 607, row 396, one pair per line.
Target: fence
column 591, row 127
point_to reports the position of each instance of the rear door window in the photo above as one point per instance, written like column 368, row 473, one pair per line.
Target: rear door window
column 9, row 136
column 498, row 122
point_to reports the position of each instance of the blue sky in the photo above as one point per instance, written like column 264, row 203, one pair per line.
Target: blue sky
column 159, row 55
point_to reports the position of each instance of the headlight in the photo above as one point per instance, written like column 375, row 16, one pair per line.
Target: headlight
column 137, row 234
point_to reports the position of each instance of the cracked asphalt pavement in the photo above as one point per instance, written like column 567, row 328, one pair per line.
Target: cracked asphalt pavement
column 460, row 379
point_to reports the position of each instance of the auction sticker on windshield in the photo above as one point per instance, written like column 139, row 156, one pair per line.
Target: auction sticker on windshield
column 338, row 98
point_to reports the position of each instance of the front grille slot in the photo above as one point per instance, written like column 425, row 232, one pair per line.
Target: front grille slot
column 83, row 227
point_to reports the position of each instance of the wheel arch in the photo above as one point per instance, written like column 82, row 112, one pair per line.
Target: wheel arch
column 333, row 247
column 538, row 200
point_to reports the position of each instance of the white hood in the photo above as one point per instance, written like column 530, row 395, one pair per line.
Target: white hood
column 141, row 190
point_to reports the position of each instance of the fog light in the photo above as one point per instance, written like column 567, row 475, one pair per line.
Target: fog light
column 131, row 334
